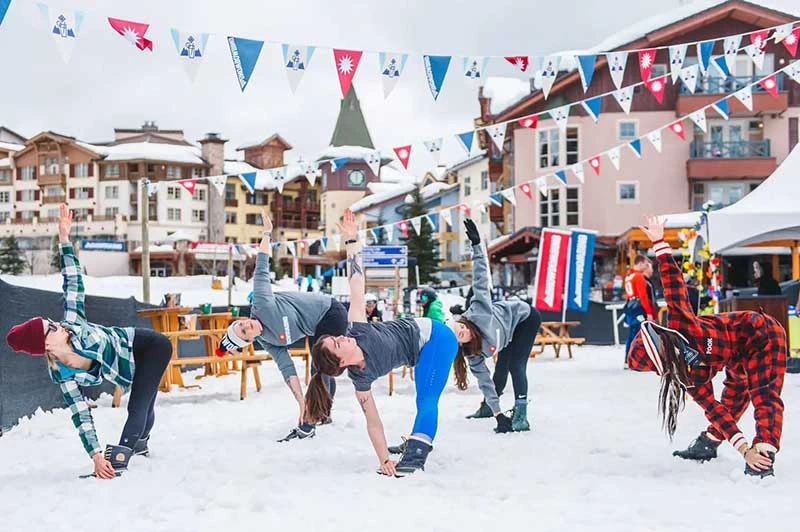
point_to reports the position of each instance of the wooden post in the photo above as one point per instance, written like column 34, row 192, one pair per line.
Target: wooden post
column 776, row 268
column 230, row 273
column 396, row 291
column 795, row 260
column 145, row 242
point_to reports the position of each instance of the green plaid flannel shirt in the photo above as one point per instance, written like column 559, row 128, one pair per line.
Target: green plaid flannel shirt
column 111, row 349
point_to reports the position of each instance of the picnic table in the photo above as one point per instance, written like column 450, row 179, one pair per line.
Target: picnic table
column 557, row 335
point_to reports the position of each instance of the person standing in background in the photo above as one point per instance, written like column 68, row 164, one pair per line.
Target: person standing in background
column 431, row 305
column 373, row 314
column 640, row 297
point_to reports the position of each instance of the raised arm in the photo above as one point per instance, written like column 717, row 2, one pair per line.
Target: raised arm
column 262, row 283
column 74, row 296
column 355, row 269
column 480, row 269
column 375, row 431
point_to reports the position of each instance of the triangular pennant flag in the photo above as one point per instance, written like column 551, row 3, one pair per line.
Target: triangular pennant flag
column 435, row 71
column 655, row 139
column 781, row 32
column 362, row 237
column 389, row 229
column 541, row 184
column 614, row 156
column 592, row 107
column 731, row 46
column 722, row 66
column 466, row 140
column 793, row 71
column 519, row 61
column 296, row 60
column 290, row 246
column 323, row 243
column 526, row 189
column 677, row 55
column 770, row 84
column 133, row 32
column 278, row 175
column 647, row 59
column 636, row 147
column 191, row 48
column 403, row 226
column 403, row 154
column 474, row 69
column 464, row 208
column 657, row 86
column 373, row 160
column 249, row 179
column 745, row 95
column 508, row 194
column 689, row 77
column 189, row 185
column 478, row 204
column 152, row 187
column 594, row 162
column 337, row 163
column 561, row 115
column 699, row 118
column 678, row 129
column 346, row 65
column 376, row 234
column 550, row 67
column 561, row 175
column 244, row 53
column 63, row 27
column 496, row 199
column 434, row 147
column 756, row 54
column 530, row 122
column 311, row 170
column 219, row 182
column 431, row 219
column 337, row 241
column 577, row 169
column 301, row 246
column 586, row 69
column 721, row 107
column 616, row 66
column 4, row 9
column 791, row 40
column 497, row 132
column 759, row 38
column 624, row 98
column 392, row 66
column 447, row 216
column 704, row 50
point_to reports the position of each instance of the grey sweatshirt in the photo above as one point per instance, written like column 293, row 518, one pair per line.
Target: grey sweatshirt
column 286, row 316
column 496, row 322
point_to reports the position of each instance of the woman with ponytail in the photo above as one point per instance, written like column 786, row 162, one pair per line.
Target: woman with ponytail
column 371, row 350
column 504, row 328
column 749, row 346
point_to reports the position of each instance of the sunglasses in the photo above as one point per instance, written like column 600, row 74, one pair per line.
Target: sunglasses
column 51, row 327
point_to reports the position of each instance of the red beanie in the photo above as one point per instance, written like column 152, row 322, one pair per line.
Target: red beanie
column 27, row 337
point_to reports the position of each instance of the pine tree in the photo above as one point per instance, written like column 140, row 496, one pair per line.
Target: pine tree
column 424, row 247
column 11, row 259
column 55, row 255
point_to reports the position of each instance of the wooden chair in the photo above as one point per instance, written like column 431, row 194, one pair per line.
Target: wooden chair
column 556, row 334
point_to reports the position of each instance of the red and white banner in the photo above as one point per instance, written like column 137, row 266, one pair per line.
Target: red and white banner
column 551, row 270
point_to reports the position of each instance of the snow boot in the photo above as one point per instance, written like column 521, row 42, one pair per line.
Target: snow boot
column 141, row 449
column 769, row 472
column 414, row 456
column 119, row 456
column 400, row 449
column 701, row 449
column 483, row 411
column 519, row 421
column 301, row 432
column 503, row 424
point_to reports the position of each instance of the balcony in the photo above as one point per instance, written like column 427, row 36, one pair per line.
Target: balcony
column 740, row 159
column 51, row 179
column 296, row 206
column 54, row 199
column 231, row 202
column 711, row 88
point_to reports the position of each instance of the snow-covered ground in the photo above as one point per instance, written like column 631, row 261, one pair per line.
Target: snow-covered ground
column 595, row 460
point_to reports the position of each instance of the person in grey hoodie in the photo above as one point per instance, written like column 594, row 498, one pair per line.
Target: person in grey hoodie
column 504, row 328
column 277, row 320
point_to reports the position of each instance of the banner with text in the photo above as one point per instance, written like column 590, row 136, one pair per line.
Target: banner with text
column 580, row 269
column 551, row 269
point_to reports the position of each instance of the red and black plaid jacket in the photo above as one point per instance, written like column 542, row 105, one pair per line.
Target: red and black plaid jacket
column 724, row 340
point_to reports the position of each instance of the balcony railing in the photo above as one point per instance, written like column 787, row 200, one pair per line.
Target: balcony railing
column 730, row 150
column 231, row 202
column 729, row 85
column 296, row 205
column 54, row 199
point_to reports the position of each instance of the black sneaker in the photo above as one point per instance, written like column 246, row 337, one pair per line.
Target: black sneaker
column 701, row 449
column 769, row 472
column 301, row 432
column 482, row 412
column 141, row 449
column 414, row 457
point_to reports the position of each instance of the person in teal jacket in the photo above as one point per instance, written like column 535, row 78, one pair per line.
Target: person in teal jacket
column 431, row 305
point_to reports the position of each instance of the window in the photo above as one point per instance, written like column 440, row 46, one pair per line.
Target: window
column 230, row 239
column 27, row 216
column 27, row 195
column 626, row 130
column 28, row 173
column 230, row 192
column 173, row 193
column 173, row 215
column 561, row 207
column 52, row 214
column 51, row 166
column 658, row 70
column 467, row 185
column 198, row 172
column 81, row 214
column 722, row 193
column 5, row 176
column 5, row 216
column 111, row 170
column 173, row 172
column 550, row 208
column 485, row 180
column 260, row 198
column 199, row 194
column 572, row 145
column 82, row 170
column 255, row 240
column 133, row 168
column 198, row 215
column 151, row 169
column 53, row 190
column 82, row 193
column 230, row 218
column 112, row 192
column 111, row 212
column 573, row 206
column 627, row 192
column 152, row 212
column 5, row 197
column 254, row 219
column 548, row 148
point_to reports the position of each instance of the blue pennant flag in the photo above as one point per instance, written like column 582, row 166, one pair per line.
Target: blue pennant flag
column 435, row 70
column 562, row 176
column 244, row 53
column 636, row 146
column 586, row 68
column 704, row 50
column 376, row 233
column 497, row 199
column 592, row 107
column 337, row 163
column 466, row 140
column 3, row 8
column 433, row 219
column 324, row 242
column 276, row 244
column 722, row 65
column 722, row 108
column 249, row 180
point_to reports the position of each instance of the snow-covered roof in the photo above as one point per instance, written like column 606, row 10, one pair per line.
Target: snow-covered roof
column 9, row 146
column 683, row 220
column 467, row 161
column 374, row 199
column 392, row 174
column 148, row 151
column 178, row 235
column 5, row 162
column 429, row 191
column 156, row 247
column 238, row 167
column 351, row 152
column 505, row 92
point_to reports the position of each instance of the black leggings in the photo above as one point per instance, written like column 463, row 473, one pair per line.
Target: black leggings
column 333, row 323
column 514, row 357
column 151, row 354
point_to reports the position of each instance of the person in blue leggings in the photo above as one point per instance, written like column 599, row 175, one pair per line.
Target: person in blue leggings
column 371, row 350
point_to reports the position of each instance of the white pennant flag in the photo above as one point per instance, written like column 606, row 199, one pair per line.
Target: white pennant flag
column 755, row 53
column 290, row 246
column 561, row 115
column 616, row 65
column 474, row 68
column 447, row 216
column 677, row 55
column 311, row 170
column 793, row 71
column 624, row 98
column 699, row 118
column 337, row 241
column 373, row 160
column 689, row 76
column 781, row 32
column 541, row 184
column 278, row 175
column 296, row 59
column 389, row 232
column 731, row 46
column 191, row 48
column 362, row 237
column 416, row 223
column 613, row 156
column 63, row 26
column 498, row 134
column 577, row 169
column 219, row 182
column 508, row 194
column 655, row 139
column 392, row 66
column 745, row 95
column 550, row 66
column 152, row 187
column 434, row 147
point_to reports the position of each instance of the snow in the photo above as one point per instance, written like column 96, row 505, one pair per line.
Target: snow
column 148, row 151
column 391, row 174
column 595, row 461
column 374, row 199
column 505, row 92
column 429, row 191
column 352, row 152
column 238, row 168
column 5, row 162
column 10, row 146
column 157, row 247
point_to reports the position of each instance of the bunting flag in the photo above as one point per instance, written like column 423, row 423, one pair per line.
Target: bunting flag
column 655, row 139
column 431, row 219
column 594, row 163
column 577, row 169
column 508, row 194
column 561, row 175
column 636, row 147
column 403, row 154
column 745, row 95
column 290, row 247
column 561, row 115
column 392, row 66
column 497, row 132
column 389, row 229
column 296, row 59
column 474, row 69
column 323, row 243
column 346, row 65
column 337, row 241
column 249, row 179
column 434, row 147
column 526, row 189
column 586, row 65
column 480, row 205
column 793, row 71
column 677, row 55
column 191, row 48
column 376, row 234
column 447, row 216
column 624, row 98
column 373, row 160
column 219, row 182
column 435, row 71
column 614, row 156
column 770, row 84
column 541, row 184
column 704, row 50
column 278, row 175
column 616, row 66
column 549, row 72
column 465, row 210
column 338, row 162
column 657, row 86
column 592, row 107
column 647, row 59
column 4, row 9
column 152, row 187
column 789, row 42
column 519, row 61
column 678, row 129
column 731, row 46
column 311, row 170
column 756, row 54
column 63, row 27
column 133, row 32
column 244, row 53
column 722, row 66
column 465, row 139
column 689, row 76
column 721, row 107
column 530, row 122
column 699, row 118
column 189, row 185
column 759, row 39
column 403, row 226
column 362, row 238
column 781, row 32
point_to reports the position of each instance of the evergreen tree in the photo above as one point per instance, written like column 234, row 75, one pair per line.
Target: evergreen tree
column 11, row 258
column 55, row 255
column 382, row 240
column 424, row 247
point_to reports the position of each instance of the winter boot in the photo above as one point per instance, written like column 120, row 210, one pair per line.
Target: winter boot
column 414, row 456
column 503, row 424
column 301, row 432
column 483, row 411
column 141, row 449
column 519, row 421
column 769, row 472
column 400, row 449
column 701, row 449
column 119, row 456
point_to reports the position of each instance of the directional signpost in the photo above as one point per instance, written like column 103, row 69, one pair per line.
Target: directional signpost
column 385, row 256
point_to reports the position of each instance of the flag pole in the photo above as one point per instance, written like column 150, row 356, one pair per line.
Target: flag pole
column 145, row 241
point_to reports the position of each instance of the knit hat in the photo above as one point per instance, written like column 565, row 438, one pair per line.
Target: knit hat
column 231, row 341
column 27, row 337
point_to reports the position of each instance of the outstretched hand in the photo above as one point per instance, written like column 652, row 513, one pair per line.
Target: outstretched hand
column 64, row 223
column 267, row 220
column 348, row 227
column 472, row 231
column 653, row 228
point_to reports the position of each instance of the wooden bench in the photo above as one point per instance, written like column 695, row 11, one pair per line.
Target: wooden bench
column 556, row 334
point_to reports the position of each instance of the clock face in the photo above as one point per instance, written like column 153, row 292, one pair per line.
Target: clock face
column 356, row 178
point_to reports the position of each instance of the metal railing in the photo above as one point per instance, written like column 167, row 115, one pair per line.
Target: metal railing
column 700, row 149
column 731, row 84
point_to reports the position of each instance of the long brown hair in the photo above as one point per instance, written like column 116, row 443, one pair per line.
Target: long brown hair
column 471, row 348
column 318, row 398
column 672, row 396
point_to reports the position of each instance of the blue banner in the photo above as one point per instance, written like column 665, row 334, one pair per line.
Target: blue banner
column 3, row 8
column 244, row 53
column 435, row 70
column 581, row 255
column 102, row 245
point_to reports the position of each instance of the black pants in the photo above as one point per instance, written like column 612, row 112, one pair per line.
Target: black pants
column 514, row 357
column 334, row 323
column 151, row 354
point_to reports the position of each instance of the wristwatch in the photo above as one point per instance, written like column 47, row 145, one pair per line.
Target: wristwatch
column 350, row 242
column 267, row 233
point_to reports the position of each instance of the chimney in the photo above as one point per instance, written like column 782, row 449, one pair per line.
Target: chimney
column 212, row 148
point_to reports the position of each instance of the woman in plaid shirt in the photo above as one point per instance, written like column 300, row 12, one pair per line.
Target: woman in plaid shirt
column 80, row 353
column 749, row 346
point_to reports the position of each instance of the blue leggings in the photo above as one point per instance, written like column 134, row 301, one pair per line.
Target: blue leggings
column 430, row 377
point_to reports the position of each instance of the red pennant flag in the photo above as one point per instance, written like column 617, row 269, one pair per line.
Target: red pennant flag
column 677, row 128
column 594, row 162
column 646, row 60
column 133, row 32
column 531, row 121
column 519, row 61
column 465, row 209
column 346, row 65
column 403, row 228
column 526, row 189
column 404, row 154
column 759, row 38
column 791, row 40
column 770, row 84
column 656, row 86
column 189, row 185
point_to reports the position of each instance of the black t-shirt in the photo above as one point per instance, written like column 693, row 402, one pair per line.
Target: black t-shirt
column 386, row 346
